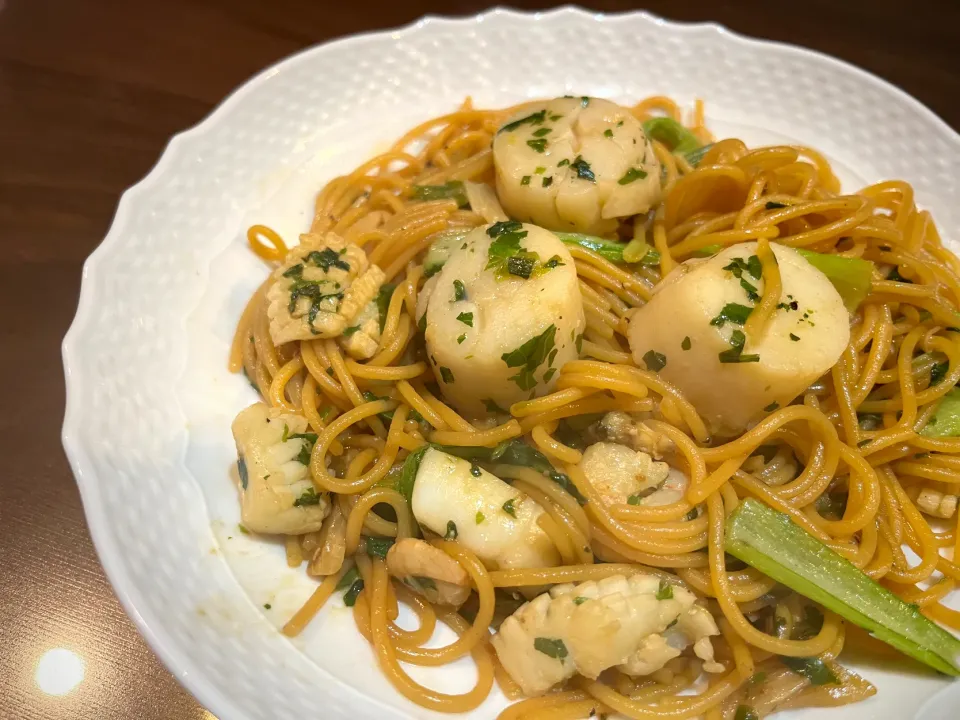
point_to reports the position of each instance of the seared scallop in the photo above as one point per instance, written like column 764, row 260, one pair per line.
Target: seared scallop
column 501, row 317
column 575, row 164
column 691, row 333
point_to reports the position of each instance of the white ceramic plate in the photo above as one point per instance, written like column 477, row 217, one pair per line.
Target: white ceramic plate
column 150, row 402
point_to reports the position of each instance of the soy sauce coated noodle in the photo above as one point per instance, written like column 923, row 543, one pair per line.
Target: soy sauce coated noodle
column 786, row 193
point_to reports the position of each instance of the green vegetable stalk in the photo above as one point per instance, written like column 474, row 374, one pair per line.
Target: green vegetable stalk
column 676, row 137
column 672, row 134
column 450, row 190
column 772, row 543
column 850, row 276
column 946, row 420
column 611, row 250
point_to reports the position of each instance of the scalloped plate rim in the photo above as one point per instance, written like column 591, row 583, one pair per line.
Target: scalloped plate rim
column 150, row 626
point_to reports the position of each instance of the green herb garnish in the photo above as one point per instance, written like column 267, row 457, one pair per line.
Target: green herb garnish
column 732, row 312
column 550, row 647
column 378, row 546
column 309, row 497
column 529, row 356
column 735, row 353
column 631, row 175
column 583, row 169
column 655, row 361
column 532, row 119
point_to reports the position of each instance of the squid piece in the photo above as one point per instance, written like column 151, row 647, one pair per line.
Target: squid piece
column 635, row 624
column 428, row 571
column 277, row 495
column 620, row 474
column 321, row 289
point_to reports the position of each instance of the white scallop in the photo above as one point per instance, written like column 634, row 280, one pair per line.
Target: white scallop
column 467, row 339
column 575, row 164
column 732, row 396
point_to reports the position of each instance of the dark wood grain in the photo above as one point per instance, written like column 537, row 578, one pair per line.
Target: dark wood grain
column 90, row 92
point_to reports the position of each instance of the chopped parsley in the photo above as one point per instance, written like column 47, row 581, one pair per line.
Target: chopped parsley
column 529, row 356
column 655, row 361
column 422, row 322
column 459, row 291
column 548, row 181
column 350, row 596
column 378, row 546
column 522, row 264
column 451, row 531
column 631, row 175
column 608, row 133
column 553, row 262
column 525, row 180
column 774, row 205
column 447, row 375
column 583, row 169
column 665, row 591
column 752, row 294
column 350, row 330
column 242, row 470
column 294, row 272
column 532, row 119
column 772, row 406
column 505, row 256
column 309, row 289
column 509, row 508
column 745, row 712
column 492, row 407
column 584, row 101
column 565, row 161
column 686, row 344
column 735, row 353
column 751, row 265
column 539, row 144
column 267, row 606
column 461, row 338
column 732, row 312
column 383, row 302
column 539, row 170
column 813, row 669
column 480, row 517
column 475, row 470
column 550, row 647
column 938, row 372
column 580, row 600
column 542, row 132
column 638, row 497
column 326, row 259
column 795, row 338
column 466, row 318
column 309, row 497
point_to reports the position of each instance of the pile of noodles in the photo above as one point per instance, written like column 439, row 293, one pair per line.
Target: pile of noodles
column 785, row 193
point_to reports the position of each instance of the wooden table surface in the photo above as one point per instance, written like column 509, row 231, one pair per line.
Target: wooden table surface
column 90, row 92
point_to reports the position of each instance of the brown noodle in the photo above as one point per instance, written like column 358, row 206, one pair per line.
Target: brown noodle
column 788, row 194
